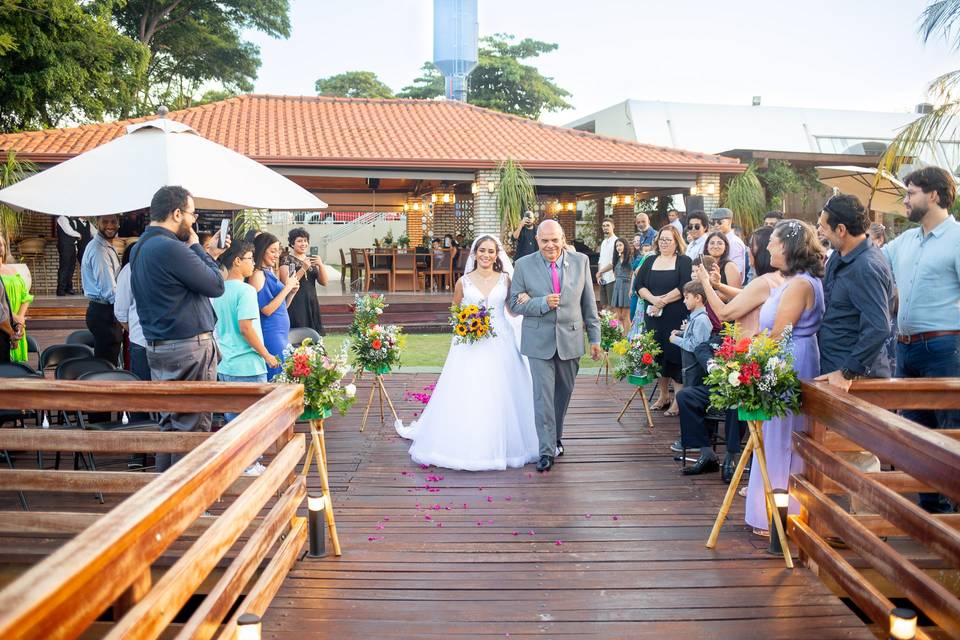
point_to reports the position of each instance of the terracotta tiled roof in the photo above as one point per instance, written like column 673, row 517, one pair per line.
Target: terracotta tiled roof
column 326, row 132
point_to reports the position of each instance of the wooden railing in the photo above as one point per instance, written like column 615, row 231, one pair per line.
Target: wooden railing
column 923, row 459
column 110, row 562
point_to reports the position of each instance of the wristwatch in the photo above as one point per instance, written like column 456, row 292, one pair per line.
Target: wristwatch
column 849, row 375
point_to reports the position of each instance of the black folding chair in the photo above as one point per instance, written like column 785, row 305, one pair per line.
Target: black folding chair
column 298, row 334
column 53, row 355
column 75, row 367
column 17, row 417
column 81, row 336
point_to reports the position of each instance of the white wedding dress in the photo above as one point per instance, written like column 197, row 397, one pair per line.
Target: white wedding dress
column 480, row 416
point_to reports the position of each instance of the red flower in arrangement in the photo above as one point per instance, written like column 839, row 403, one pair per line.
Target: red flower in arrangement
column 376, row 344
column 743, row 346
column 647, row 358
column 749, row 372
column 725, row 350
column 301, row 365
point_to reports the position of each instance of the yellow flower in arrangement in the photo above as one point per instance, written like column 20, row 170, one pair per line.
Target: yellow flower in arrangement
column 474, row 324
column 471, row 322
column 620, row 348
column 472, row 309
column 463, row 316
column 461, row 330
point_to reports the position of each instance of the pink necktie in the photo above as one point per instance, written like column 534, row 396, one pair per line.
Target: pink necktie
column 555, row 277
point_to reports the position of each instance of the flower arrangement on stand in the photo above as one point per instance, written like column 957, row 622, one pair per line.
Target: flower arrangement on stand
column 321, row 375
column 638, row 364
column 756, row 377
column 471, row 323
column 375, row 347
column 611, row 332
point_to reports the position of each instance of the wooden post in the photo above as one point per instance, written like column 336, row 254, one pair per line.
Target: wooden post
column 646, row 406
column 134, row 594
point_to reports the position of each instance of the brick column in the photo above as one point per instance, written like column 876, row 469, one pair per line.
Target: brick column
column 624, row 216
column 416, row 219
column 708, row 186
column 486, row 215
column 443, row 213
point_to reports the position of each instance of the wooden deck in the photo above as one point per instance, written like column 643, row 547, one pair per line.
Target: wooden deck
column 608, row 544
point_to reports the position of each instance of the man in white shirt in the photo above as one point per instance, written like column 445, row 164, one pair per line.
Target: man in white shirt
column 697, row 225
column 674, row 217
column 71, row 232
column 722, row 220
column 605, row 275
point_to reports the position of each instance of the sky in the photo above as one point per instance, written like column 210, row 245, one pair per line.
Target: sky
column 837, row 54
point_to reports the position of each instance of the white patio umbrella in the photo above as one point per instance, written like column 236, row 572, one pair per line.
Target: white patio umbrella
column 123, row 174
column 882, row 193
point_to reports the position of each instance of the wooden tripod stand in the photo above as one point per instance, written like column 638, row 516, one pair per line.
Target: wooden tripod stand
column 639, row 382
column 754, row 443
column 317, row 451
column 604, row 368
column 378, row 388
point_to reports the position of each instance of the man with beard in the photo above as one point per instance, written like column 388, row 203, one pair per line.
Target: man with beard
column 173, row 279
column 98, row 273
column 926, row 267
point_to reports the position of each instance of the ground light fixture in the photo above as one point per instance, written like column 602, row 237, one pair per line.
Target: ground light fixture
column 315, row 507
column 903, row 624
column 781, row 500
column 249, row 627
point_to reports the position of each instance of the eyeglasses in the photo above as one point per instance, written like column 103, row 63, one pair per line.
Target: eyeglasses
column 250, row 258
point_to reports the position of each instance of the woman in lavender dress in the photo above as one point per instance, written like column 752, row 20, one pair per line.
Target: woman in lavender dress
column 796, row 252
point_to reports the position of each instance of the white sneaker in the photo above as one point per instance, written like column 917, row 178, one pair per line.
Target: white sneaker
column 256, row 469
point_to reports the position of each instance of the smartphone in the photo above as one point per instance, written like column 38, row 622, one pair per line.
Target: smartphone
column 222, row 238
column 708, row 262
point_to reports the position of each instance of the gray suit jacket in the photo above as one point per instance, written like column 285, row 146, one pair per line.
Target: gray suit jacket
column 557, row 330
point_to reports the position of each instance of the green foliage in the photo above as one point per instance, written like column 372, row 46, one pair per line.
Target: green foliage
column 745, row 197
column 516, row 195
column 62, row 60
column 500, row 80
column 429, row 85
column 245, row 221
column 11, row 171
column 353, row 84
column 321, row 373
column 781, row 179
column 638, row 357
column 193, row 43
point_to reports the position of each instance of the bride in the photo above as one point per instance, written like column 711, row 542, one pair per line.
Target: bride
column 480, row 416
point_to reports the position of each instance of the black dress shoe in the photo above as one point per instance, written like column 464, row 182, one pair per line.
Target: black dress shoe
column 703, row 465
column 729, row 466
column 545, row 463
column 559, row 448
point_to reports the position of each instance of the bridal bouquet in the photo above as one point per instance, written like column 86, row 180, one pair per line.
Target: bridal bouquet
column 471, row 323
column 321, row 375
column 610, row 330
column 366, row 311
column 754, row 375
column 638, row 357
column 377, row 347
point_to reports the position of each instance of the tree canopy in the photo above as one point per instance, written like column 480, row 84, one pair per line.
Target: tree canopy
column 62, row 61
column 353, row 84
column 195, row 43
column 501, row 81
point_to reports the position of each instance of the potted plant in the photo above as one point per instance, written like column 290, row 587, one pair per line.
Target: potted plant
column 515, row 196
column 403, row 242
column 388, row 239
column 638, row 359
column 321, row 375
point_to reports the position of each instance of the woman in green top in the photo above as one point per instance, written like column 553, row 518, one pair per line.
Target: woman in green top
column 18, row 293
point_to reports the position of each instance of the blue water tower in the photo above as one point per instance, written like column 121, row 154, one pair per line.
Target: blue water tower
column 455, row 30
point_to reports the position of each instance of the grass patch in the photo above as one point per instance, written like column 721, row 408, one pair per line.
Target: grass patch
column 430, row 350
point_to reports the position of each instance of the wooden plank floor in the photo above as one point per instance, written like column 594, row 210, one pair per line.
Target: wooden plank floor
column 608, row 544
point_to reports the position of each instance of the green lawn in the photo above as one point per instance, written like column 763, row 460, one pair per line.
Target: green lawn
column 430, row 350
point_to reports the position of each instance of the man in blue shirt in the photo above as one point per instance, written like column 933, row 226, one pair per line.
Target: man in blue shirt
column 647, row 233
column 926, row 267
column 858, row 295
column 98, row 273
column 173, row 279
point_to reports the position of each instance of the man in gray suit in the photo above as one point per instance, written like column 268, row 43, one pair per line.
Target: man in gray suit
column 557, row 307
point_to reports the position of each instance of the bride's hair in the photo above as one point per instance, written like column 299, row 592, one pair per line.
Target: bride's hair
column 497, row 264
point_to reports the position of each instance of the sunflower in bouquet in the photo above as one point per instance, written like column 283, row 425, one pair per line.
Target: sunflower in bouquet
column 754, row 375
column 321, row 373
column 471, row 323
column 611, row 331
column 377, row 347
column 638, row 357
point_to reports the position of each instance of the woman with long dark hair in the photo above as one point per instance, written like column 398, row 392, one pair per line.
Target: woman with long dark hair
column 622, row 269
column 272, row 296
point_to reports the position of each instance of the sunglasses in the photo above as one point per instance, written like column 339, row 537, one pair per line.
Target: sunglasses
column 694, row 227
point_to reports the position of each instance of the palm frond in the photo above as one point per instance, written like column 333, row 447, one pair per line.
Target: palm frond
column 246, row 221
column 516, row 194
column 744, row 195
column 939, row 124
column 12, row 171
column 939, row 18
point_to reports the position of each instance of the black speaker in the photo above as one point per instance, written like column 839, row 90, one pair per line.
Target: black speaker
column 373, row 183
column 694, row 203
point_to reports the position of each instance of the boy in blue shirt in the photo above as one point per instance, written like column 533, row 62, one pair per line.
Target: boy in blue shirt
column 244, row 358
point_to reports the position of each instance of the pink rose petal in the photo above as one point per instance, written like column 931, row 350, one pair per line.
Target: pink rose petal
column 616, row 517
column 427, row 518
column 531, row 532
column 489, row 498
column 587, row 515
column 508, row 498
column 558, row 542
column 515, row 533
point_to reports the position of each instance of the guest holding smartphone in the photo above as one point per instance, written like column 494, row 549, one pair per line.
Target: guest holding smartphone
column 304, row 307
